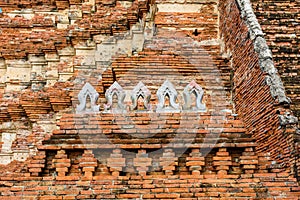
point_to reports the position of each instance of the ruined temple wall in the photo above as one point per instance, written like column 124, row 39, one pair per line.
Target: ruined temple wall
column 68, row 163
column 280, row 22
column 257, row 101
column 59, row 46
column 46, row 43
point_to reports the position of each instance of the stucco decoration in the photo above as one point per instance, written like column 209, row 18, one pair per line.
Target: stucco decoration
column 167, row 90
column 193, row 89
column 287, row 118
column 115, row 90
column 142, row 91
column 87, row 97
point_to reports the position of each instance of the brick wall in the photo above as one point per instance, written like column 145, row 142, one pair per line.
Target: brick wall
column 112, row 166
column 252, row 96
column 141, row 155
column 280, row 23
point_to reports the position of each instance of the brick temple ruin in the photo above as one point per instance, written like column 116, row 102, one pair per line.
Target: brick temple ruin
column 149, row 99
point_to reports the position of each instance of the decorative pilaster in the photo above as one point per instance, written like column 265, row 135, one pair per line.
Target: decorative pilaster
column 222, row 161
column 249, row 160
column 168, row 161
column 116, row 162
column 88, row 163
column 61, row 163
column 195, row 162
column 142, row 162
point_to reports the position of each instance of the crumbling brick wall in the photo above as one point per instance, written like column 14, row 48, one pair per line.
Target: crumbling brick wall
column 252, row 95
column 106, row 155
column 280, row 23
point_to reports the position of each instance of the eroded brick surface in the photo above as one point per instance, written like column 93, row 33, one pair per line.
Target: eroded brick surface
column 280, row 22
column 234, row 149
